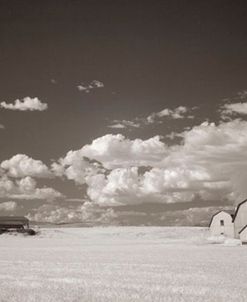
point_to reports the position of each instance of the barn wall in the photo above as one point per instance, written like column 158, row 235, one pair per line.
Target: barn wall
column 243, row 235
column 241, row 219
column 216, row 229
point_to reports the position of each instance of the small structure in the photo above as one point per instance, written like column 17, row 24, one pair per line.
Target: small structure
column 221, row 224
column 243, row 235
column 240, row 217
column 14, row 223
column 229, row 224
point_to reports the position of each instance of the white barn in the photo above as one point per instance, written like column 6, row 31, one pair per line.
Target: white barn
column 233, row 225
column 240, row 218
column 243, row 234
column 221, row 224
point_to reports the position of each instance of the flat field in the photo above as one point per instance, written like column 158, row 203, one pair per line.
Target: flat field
column 114, row 264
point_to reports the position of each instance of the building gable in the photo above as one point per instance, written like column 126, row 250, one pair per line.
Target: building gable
column 217, row 213
column 237, row 210
column 242, row 229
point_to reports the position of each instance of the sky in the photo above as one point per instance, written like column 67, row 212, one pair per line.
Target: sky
column 122, row 112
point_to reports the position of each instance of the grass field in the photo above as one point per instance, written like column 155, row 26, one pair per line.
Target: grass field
column 121, row 264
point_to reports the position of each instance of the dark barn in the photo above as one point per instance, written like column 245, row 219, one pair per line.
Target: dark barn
column 13, row 222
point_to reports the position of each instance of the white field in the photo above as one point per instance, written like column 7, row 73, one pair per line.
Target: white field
column 121, row 264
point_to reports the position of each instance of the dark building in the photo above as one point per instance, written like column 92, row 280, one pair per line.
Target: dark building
column 13, row 222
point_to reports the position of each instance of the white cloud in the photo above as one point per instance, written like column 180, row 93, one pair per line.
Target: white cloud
column 177, row 113
column 8, row 206
column 75, row 166
column 118, row 124
column 95, row 84
column 6, row 186
column 27, row 104
column 210, row 163
column 234, row 106
column 229, row 109
column 117, row 151
column 128, row 186
column 2, row 126
column 88, row 213
column 180, row 112
column 20, row 165
column 26, row 188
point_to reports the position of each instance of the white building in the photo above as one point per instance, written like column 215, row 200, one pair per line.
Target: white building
column 240, row 217
column 243, row 234
column 233, row 225
column 221, row 224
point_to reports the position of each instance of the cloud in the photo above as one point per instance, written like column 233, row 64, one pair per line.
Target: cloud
column 53, row 81
column 190, row 217
column 234, row 108
column 95, row 84
column 8, row 206
column 75, row 166
column 87, row 213
column 27, row 104
column 2, row 126
column 117, row 151
column 177, row 113
column 21, row 165
column 118, row 124
column 180, row 112
column 128, row 186
column 26, row 188
column 209, row 163
column 6, row 186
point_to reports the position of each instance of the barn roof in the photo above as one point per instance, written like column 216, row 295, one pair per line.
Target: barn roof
column 226, row 211
column 13, row 218
column 239, row 205
column 243, row 229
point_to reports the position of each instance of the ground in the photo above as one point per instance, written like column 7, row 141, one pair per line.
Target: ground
column 122, row 264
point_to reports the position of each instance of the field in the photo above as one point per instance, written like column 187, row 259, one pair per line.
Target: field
column 124, row 264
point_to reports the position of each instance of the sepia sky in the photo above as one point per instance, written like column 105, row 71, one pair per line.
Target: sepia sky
column 130, row 112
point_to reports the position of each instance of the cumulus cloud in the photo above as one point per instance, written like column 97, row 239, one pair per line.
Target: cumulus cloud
column 129, row 186
column 75, row 166
column 27, row 104
column 208, row 164
column 234, row 108
column 21, row 165
column 6, row 186
column 117, row 151
column 26, row 188
column 179, row 112
column 87, row 87
column 8, row 206
column 87, row 213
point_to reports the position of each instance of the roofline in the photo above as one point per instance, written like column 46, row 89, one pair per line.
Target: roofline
column 236, row 212
column 23, row 218
column 242, row 229
column 217, row 214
